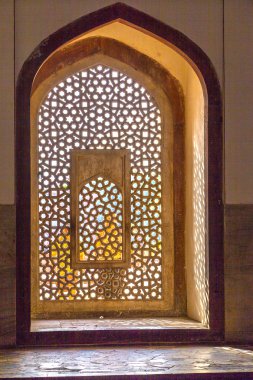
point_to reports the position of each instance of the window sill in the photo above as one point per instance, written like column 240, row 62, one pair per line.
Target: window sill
column 114, row 324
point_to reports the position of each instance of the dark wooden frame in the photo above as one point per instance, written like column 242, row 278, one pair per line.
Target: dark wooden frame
column 214, row 168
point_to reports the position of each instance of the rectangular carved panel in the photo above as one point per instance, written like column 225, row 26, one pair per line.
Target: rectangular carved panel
column 100, row 208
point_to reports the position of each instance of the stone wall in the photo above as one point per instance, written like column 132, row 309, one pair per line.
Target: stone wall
column 238, row 274
column 7, row 275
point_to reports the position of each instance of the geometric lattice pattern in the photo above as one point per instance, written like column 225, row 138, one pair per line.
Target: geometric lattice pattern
column 100, row 221
column 99, row 108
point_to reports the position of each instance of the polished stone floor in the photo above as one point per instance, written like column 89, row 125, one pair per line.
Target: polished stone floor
column 186, row 362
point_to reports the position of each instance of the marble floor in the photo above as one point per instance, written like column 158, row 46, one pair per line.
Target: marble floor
column 155, row 362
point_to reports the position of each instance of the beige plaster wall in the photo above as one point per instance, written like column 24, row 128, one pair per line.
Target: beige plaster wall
column 238, row 101
column 7, row 102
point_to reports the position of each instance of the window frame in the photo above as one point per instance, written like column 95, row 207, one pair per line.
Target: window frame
column 214, row 158
column 167, row 92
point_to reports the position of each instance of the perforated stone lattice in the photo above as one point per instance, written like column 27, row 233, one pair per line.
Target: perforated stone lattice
column 100, row 221
column 99, row 108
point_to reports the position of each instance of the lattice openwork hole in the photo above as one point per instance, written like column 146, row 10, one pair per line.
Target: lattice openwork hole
column 100, row 108
column 100, row 221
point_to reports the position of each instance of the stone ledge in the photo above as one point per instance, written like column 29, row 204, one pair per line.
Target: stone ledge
column 181, row 362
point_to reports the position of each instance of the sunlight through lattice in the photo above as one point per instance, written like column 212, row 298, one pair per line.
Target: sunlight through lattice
column 99, row 108
column 100, row 221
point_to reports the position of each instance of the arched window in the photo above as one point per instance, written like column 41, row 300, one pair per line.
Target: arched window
column 111, row 120
column 119, row 207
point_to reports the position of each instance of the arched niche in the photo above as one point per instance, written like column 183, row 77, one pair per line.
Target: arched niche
column 164, row 91
column 203, row 159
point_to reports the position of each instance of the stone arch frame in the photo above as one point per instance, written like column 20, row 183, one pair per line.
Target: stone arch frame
column 214, row 167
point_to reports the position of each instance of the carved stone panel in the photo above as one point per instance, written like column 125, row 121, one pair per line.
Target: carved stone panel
column 100, row 209
column 101, row 131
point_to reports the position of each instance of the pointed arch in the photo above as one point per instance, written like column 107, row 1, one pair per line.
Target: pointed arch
column 213, row 161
